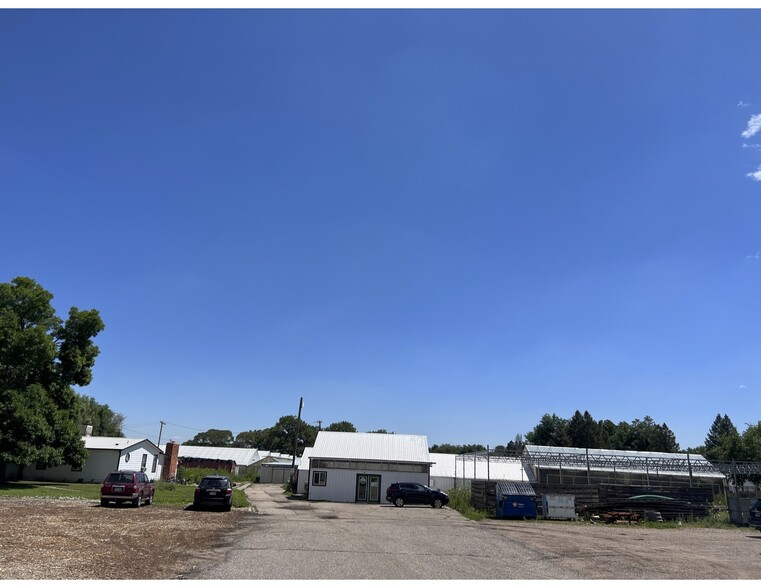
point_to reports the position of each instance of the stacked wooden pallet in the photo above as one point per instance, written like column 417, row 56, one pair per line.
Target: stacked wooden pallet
column 669, row 509
column 483, row 495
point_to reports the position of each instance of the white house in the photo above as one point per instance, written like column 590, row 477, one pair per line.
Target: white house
column 104, row 455
column 358, row 467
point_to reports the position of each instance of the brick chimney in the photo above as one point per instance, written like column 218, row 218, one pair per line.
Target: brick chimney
column 171, row 456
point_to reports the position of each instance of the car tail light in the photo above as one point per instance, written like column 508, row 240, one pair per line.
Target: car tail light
column 198, row 491
column 229, row 491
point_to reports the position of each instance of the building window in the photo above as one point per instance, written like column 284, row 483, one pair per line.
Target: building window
column 144, row 462
column 155, row 462
column 126, row 457
column 319, row 478
column 76, row 469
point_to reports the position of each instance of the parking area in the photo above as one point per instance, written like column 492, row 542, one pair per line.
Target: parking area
column 291, row 539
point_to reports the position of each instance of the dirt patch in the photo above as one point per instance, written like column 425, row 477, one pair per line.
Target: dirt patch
column 56, row 539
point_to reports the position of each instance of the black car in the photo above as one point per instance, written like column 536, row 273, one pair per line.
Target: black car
column 402, row 493
column 754, row 517
column 214, row 491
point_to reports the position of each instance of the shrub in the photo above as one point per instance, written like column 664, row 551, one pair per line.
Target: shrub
column 459, row 499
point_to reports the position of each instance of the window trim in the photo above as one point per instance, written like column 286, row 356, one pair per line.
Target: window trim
column 319, row 478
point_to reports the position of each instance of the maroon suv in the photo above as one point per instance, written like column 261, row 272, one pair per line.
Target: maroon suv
column 132, row 487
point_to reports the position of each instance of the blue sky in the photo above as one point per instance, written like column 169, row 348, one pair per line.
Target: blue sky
column 435, row 222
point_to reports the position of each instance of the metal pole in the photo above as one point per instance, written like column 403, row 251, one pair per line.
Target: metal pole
column 589, row 477
column 160, row 431
column 647, row 473
column 689, row 468
column 488, row 473
column 296, row 440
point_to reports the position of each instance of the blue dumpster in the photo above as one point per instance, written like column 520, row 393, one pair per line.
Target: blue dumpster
column 515, row 500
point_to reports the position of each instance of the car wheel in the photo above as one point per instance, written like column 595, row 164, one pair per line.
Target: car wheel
column 149, row 500
column 399, row 501
column 103, row 502
column 138, row 501
column 437, row 503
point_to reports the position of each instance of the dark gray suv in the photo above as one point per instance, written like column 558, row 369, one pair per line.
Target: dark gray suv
column 214, row 491
column 402, row 493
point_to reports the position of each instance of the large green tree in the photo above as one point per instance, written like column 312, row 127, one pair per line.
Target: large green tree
column 41, row 358
column 342, row 427
column 583, row 431
column 213, row 438
column 104, row 421
column 722, row 441
column 551, row 430
column 281, row 436
column 247, row 439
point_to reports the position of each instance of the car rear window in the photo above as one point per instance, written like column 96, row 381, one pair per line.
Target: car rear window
column 119, row 478
column 213, row 483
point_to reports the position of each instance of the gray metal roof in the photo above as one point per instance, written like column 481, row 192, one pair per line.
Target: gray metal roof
column 371, row 446
column 241, row 456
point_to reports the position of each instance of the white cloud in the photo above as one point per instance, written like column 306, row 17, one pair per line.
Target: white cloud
column 752, row 146
column 742, row 104
column 754, row 125
column 756, row 175
column 755, row 257
column 743, row 386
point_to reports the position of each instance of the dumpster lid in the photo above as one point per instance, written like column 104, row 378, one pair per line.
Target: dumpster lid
column 515, row 488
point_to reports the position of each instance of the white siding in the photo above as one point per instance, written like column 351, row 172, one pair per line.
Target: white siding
column 341, row 485
column 104, row 455
column 132, row 460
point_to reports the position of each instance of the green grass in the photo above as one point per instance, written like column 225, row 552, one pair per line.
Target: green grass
column 175, row 495
column 50, row 490
column 459, row 499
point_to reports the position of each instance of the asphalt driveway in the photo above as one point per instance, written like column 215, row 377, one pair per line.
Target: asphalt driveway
column 291, row 539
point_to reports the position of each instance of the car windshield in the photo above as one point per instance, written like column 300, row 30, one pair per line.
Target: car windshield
column 213, row 483
column 120, row 478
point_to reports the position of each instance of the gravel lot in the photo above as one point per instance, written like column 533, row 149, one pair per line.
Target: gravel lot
column 77, row 539
column 57, row 539
column 291, row 539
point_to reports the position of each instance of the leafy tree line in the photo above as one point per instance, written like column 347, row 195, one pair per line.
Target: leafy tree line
column 582, row 430
column 41, row 358
column 278, row 438
column 725, row 443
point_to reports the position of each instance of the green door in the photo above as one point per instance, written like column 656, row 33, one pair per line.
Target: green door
column 362, row 488
column 368, row 488
column 373, row 494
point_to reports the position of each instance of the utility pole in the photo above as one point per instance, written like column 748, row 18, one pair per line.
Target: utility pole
column 296, row 443
column 160, row 431
column 319, row 425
